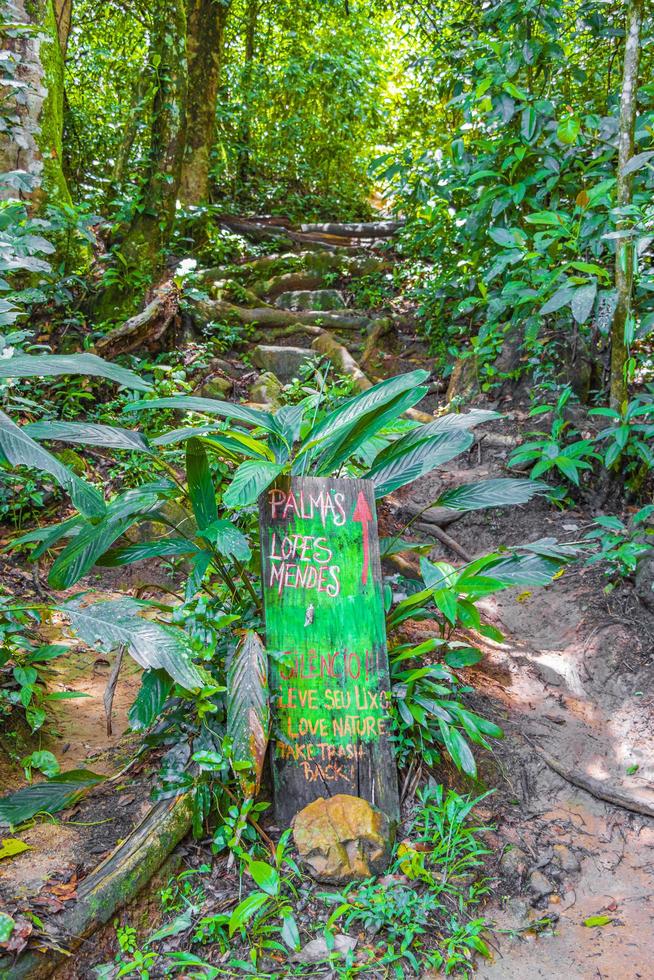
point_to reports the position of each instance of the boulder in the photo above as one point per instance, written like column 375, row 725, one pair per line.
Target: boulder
column 343, row 839
column 266, row 390
column 301, row 300
column 283, row 362
column 215, row 387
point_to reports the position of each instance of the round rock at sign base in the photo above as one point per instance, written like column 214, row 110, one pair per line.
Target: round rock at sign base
column 343, row 838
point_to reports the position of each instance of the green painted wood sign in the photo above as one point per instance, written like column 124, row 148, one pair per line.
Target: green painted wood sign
column 324, row 612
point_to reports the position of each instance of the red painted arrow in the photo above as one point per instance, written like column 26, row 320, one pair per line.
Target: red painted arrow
column 363, row 515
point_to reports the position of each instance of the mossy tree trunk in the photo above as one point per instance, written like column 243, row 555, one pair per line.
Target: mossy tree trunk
column 151, row 227
column 205, row 44
column 251, row 21
column 624, row 253
column 33, row 141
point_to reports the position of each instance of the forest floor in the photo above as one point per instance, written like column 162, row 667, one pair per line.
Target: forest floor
column 571, row 685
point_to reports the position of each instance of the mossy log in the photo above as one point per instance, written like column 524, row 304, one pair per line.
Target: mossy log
column 147, row 329
column 113, row 884
column 269, row 316
column 357, row 229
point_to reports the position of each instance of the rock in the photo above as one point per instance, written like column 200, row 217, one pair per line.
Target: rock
column 318, row 950
column 539, row 885
column 464, row 380
column 343, row 839
column 283, row 362
column 566, row 858
column 266, row 390
column 215, row 387
column 302, row 300
column 514, row 861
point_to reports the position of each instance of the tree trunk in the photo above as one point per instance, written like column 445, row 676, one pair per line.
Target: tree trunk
column 152, row 225
column 206, row 30
column 33, row 140
column 624, row 252
column 64, row 16
column 252, row 14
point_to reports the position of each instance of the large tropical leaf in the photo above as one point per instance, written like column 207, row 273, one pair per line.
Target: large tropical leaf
column 49, row 797
column 231, row 444
column 490, row 493
column 454, row 422
column 208, row 406
column 228, row 539
column 200, row 484
column 20, row 450
column 166, row 548
column 153, row 694
column 118, row 622
column 336, row 449
column 52, row 365
column 368, row 401
column 93, row 540
column 250, row 480
column 248, row 710
column 417, row 461
column 47, row 537
column 87, row 434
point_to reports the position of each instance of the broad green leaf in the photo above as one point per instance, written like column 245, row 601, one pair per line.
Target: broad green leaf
column 637, row 162
column 417, row 461
column 200, row 484
column 49, row 797
column 228, row 539
column 87, row 434
column 21, row 450
column 249, row 481
column 562, row 297
column 490, row 493
column 248, row 710
column 597, row 920
column 7, row 926
column 463, row 658
column 166, row 548
column 245, row 910
column 208, row 406
column 265, row 876
column 583, row 302
column 52, row 365
column 81, row 554
column 452, row 422
column 155, row 688
column 231, row 444
column 368, row 401
column 568, row 130
column 337, row 449
column 118, row 622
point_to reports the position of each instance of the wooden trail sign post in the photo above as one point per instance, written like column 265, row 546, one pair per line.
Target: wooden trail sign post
column 324, row 612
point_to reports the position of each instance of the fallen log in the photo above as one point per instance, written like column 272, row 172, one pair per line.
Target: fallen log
column 147, row 329
column 355, row 229
column 113, row 884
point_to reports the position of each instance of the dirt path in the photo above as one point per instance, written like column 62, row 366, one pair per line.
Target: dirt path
column 572, row 687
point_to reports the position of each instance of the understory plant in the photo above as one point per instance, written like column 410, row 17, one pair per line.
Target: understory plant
column 205, row 693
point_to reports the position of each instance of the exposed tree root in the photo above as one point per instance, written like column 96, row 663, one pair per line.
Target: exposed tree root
column 341, row 359
column 437, row 532
column 146, row 330
column 591, row 785
column 361, row 229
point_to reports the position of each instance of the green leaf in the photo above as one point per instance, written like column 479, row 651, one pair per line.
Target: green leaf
column 597, row 920
column 52, row 365
column 500, row 492
column 368, row 401
column 200, row 484
column 20, row 450
column 49, row 797
column 228, row 539
column 290, row 933
column 155, row 689
column 118, row 622
column 637, row 162
column 87, row 434
column 528, row 123
column 583, row 302
column 167, row 548
column 562, row 297
column 417, row 461
column 7, row 926
column 463, row 658
column 248, row 710
column 265, row 876
column 568, row 130
column 81, row 554
column 453, row 422
column 208, row 406
column 249, row 481
column 245, row 910
column 10, row 847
